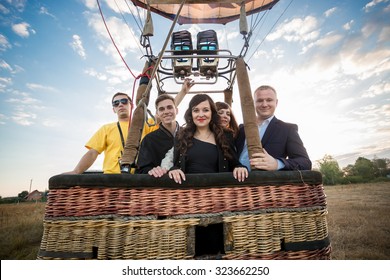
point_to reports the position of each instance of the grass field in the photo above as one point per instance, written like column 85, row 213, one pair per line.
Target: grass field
column 358, row 221
column 21, row 228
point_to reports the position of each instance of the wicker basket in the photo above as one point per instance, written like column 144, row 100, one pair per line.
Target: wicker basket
column 105, row 239
column 272, row 215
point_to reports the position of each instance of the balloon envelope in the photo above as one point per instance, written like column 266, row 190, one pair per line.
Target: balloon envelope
column 205, row 11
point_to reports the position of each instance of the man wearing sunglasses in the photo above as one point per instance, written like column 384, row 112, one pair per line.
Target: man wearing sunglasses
column 108, row 139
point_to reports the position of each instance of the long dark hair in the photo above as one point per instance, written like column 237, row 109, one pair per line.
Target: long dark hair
column 186, row 135
column 233, row 125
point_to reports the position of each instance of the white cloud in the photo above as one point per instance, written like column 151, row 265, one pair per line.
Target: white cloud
column 51, row 123
column 232, row 35
column 364, row 64
column 45, row 11
column 372, row 4
column 120, row 33
column 25, row 100
column 329, row 12
column 17, row 69
column 193, row 29
column 22, row 29
column 369, row 29
column 260, row 54
column 4, row 83
column 384, row 35
column 4, row 44
column 329, row 40
column 343, row 103
column 93, row 73
column 348, row 25
column 77, row 46
column 5, row 80
column 24, row 118
column 38, row 87
column 13, row 70
column 118, row 73
column 297, row 30
column 18, row 4
column 114, row 81
column 386, row 111
column 373, row 120
column 278, row 53
column 3, row 9
column 351, row 55
column 90, row 4
column 4, row 65
column 377, row 89
column 2, row 118
column 324, row 42
column 122, row 7
column 117, row 7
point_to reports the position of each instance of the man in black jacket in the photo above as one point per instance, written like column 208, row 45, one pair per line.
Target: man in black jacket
column 156, row 151
column 156, row 144
column 282, row 146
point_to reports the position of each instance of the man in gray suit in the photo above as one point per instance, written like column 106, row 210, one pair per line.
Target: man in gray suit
column 282, row 146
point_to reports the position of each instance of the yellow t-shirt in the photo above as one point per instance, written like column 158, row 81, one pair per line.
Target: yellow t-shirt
column 108, row 140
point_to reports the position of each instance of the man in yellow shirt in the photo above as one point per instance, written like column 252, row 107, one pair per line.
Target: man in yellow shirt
column 108, row 139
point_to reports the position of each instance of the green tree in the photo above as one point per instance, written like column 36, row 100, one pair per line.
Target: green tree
column 364, row 168
column 349, row 170
column 22, row 195
column 330, row 170
column 380, row 166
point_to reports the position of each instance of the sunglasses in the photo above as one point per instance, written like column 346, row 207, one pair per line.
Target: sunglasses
column 116, row 103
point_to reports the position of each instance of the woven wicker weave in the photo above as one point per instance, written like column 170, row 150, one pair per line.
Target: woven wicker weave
column 141, row 239
column 87, row 201
column 318, row 254
column 265, row 233
column 272, row 215
column 248, row 235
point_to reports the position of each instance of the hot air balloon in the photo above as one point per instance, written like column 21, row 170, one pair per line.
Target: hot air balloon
column 271, row 215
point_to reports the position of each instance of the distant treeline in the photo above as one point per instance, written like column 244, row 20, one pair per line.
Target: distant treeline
column 363, row 171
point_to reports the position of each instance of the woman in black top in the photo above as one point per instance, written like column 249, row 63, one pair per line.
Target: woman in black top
column 203, row 146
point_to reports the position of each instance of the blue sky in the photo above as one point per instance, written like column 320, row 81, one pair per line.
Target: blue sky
column 328, row 60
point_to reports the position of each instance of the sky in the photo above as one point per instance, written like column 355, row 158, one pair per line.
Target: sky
column 328, row 60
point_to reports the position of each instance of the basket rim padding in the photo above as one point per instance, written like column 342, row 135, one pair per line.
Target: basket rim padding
column 225, row 179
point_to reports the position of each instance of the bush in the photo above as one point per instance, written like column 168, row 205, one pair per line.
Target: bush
column 352, row 180
column 380, row 179
column 9, row 200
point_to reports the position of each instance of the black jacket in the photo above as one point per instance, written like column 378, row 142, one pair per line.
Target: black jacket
column 282, row 141
column 153, row 148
